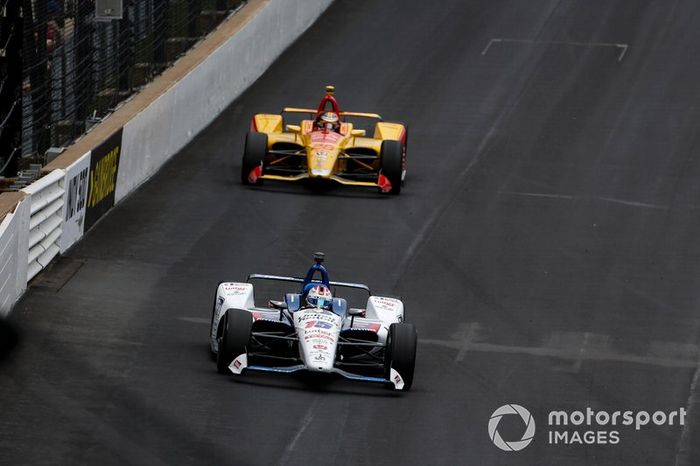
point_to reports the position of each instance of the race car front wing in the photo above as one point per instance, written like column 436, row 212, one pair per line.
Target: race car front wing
column 240, row 364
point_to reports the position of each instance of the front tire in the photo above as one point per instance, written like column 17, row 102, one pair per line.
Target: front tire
column 253, row 154
column 235, row 335
column 404, row 163
column 392, row 164
column 401, row 352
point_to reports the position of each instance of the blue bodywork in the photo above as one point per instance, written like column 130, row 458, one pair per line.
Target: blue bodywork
column 301, row 367
column 309, row 280
column 295, row 301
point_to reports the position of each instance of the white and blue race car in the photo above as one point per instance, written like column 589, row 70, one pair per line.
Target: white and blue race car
column 371, row 344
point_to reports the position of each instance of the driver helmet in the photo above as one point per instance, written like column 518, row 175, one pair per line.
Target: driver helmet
column 329, row 121
column 319, row 296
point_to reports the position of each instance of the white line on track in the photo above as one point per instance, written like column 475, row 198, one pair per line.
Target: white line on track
column 546, row 195
column 582, row 352
column 470, row 334
column 570, row 197
column 633, row 203
column 585, row 353
column 488, row 46
column 195, row 320
column 343, row 420
column 308, row 417
column 623, row 47
column 684, row 443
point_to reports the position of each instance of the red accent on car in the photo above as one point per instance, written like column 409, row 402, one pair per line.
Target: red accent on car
column 323, row 135
column 322, row 105
column 254, row 174
column 374, row 327
column 256, row 315
column 384, row 183
column 253, row 126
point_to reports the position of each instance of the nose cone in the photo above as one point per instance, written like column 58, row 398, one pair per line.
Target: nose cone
column 318, row 351
column 321, row 173
column 321, row 160
column 318, row 338
column 319, row 362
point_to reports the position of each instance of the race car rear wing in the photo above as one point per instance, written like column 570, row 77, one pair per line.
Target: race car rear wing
column 298, row 110
column 362, row 115
column 259, row 276
column 342, row 114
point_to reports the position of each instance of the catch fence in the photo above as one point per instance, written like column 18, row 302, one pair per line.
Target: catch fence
column 76, row 69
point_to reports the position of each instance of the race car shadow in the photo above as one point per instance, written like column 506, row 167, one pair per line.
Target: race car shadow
column 8, row 338
column 321, row 383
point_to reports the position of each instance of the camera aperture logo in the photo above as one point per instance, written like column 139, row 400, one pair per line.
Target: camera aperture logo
column 528, row 420
column 581, row 427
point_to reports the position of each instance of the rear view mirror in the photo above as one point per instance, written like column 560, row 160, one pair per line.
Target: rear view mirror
column 358, row 132
column 355, row 312
column 294, row 128
column 277, row 304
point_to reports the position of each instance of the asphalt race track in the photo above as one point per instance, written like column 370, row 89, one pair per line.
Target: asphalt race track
column 546, row 246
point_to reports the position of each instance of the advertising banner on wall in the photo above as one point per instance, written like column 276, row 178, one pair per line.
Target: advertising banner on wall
column 102, row 180
column 74, row 201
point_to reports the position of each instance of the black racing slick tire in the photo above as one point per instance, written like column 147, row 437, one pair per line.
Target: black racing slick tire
column 401, row 352
column 392, row 164
column 253, row 154
column 235, row 335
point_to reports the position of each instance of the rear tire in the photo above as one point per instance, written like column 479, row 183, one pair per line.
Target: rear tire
column 253, row 155
column 401, row 352
column 237, row 325
column 392, row 164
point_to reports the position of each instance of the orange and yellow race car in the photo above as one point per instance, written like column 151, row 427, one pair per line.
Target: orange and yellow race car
column 327, row 146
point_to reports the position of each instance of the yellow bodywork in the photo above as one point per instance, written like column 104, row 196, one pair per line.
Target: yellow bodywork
column 327, row 152
column 267, row 123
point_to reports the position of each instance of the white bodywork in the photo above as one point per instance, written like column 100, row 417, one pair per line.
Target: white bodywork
column 317, row 330
column 229, row 295
column 388, row 310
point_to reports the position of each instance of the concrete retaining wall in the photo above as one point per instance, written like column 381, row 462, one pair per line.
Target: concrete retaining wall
column 172, row 120
column 131, row 145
